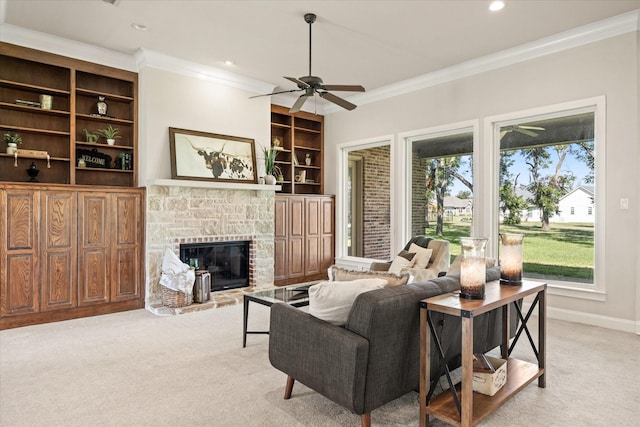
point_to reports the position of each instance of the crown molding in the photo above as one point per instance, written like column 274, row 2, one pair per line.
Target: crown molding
column 141, row 59
column 65, row 47
column 580, row 36
column 148, row 58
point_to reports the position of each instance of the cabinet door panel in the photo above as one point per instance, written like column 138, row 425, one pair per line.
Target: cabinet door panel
column 93, row 250
column 296, row 260
column 327, row 252
column 126, row 281
column 280, row 240
column 59, row 250
column 312, row 236
column 125, row 284
column 19, row 290
column 296, row 237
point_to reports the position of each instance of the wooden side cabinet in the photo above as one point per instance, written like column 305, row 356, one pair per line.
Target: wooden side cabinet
column 69, row 252
column 304, row 238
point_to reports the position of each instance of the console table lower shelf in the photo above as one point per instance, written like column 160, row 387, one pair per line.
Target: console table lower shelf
column 520, row 374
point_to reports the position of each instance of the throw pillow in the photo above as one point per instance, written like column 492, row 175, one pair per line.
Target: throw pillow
column 343, row 274
column 423, row 255
column 403, row 260
column 332, row 301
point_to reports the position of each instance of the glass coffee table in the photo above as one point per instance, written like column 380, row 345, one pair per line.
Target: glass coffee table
column 295, row 295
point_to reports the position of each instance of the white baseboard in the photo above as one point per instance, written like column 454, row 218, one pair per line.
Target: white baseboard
column 608, row 322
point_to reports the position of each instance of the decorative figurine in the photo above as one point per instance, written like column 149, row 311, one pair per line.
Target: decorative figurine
column 102, row 106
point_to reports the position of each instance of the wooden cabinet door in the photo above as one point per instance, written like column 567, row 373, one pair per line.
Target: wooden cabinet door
column 312, row 236
column 125, row 248
column 93, row 248
column 296, row 237
column 280, row 240
column 58, row 252
column 327, row 244
column 19, row 244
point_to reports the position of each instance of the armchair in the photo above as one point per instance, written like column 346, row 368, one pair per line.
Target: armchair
column 438, row 264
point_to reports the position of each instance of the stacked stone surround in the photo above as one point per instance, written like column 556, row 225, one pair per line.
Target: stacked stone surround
column 182, row 214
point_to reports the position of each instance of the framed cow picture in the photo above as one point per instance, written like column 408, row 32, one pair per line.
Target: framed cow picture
column 206, row 156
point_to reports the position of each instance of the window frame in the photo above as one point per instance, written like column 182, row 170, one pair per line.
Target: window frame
column 343, row 150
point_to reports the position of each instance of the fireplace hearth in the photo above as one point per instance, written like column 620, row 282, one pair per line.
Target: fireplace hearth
column 226, row 261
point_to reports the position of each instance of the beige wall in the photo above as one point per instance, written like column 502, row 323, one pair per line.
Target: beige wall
column 608, row 68
column 176, row 100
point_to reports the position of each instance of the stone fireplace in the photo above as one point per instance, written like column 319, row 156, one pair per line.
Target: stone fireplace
column 186, row 212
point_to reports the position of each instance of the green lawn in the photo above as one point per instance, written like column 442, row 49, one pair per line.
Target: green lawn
column 564, row 252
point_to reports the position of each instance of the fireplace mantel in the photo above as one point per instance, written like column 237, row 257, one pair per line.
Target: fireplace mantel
column 217, row 185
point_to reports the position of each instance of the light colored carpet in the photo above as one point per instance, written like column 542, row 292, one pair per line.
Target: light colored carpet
column 138, row 369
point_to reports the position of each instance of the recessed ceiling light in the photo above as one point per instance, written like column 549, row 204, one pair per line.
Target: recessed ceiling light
column 496, row 5
column 139, row 27
column 229, row 62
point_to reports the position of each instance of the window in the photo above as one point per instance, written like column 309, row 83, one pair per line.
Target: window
column 441, row 184
column 547, row 177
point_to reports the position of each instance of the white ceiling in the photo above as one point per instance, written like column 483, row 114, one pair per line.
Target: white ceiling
column 372, row 43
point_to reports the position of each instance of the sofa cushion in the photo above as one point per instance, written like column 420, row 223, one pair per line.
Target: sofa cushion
column 343, row 274
column 331, row 301
column 403, row 260
column 423, row 255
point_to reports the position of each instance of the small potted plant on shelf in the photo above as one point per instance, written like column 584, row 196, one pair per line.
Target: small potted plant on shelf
column 278, row 173
column 13, row 140
column 269, row 155
column 110, row 133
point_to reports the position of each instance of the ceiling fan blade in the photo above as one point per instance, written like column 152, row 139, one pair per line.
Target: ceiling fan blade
column 503, row 133
column 337, row 100
column 300, row 83
column 526, row 132
column 298, row 105
column 346, row 88
column 275, row 93
column 531, row 127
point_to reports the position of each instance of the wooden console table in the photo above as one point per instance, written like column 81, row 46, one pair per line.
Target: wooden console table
column 470, row 407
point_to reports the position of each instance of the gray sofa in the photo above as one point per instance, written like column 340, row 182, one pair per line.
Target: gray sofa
column 375, row 358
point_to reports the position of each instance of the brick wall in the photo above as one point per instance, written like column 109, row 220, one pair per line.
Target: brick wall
column 377, row 202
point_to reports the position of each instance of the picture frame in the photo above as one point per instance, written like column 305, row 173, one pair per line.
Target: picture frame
column 204, row 156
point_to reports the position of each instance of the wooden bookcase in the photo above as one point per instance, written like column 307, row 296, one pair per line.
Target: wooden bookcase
column 74, row 86
column 301, row 135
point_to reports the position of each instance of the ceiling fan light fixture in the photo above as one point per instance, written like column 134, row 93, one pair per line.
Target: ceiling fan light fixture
column 496, row 5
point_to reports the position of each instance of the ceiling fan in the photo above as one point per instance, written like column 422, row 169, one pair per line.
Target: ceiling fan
column 312, row 85
column 523, row 129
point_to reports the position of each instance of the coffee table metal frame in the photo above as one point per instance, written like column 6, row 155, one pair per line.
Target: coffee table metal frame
column 460, row 406
column 296, row 296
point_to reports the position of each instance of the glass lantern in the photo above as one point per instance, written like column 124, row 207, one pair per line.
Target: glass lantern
column 511, row 259
column 473, row 268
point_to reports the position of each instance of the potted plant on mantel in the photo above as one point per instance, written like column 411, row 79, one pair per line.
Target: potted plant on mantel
column 110, row 133
column 269, row 155
column 13, row 140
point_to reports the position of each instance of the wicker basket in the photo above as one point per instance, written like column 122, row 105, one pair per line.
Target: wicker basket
column 174, row 299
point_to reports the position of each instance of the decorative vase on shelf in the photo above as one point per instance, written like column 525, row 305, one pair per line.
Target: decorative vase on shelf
column 12, row 147
column 270, row 180
column 33, row 172
column 111, row 141
column 307, row 160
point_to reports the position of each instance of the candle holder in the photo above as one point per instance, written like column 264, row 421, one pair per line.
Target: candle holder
column 473, row 268
column 511, row 259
